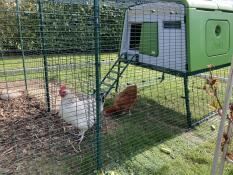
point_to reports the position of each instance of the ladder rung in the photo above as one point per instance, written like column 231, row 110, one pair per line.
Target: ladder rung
column 113, row 71
column 121, row 59
column 106, row 84
column 121, row 66
column 111, row 78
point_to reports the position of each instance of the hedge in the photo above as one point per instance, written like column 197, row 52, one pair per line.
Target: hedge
column 67, row 28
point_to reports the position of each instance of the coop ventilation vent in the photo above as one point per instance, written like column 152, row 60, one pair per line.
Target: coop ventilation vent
column 172, row 24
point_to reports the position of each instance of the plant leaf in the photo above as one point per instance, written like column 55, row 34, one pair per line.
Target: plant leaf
column 214, row 105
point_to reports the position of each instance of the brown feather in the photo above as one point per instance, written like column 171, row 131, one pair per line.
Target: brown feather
column 127, row 98
column 109, row 111
column 124, row 101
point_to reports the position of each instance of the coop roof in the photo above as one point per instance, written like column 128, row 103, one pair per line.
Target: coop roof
column 212, row 4
column 226, row 5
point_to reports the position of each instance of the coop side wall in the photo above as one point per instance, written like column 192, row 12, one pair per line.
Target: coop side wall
column 171, row 41
column 199, row 41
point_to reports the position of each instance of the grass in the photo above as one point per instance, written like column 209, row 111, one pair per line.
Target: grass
column 133, row 145
column 191, row 154
column 37, row 61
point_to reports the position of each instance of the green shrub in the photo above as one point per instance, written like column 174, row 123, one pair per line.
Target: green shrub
column 67, row 27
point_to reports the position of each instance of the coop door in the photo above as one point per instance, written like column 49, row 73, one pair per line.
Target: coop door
column 149, row 39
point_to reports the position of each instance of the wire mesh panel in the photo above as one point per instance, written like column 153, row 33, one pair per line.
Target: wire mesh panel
column 45, row 44
column 65, row 61
column 153, row 97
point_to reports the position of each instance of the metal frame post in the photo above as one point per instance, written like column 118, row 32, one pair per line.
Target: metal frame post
column 21, row 42
column 98, row 78
column 41, row 18
column 228, row 94
column 187, row 102
column 118, row 76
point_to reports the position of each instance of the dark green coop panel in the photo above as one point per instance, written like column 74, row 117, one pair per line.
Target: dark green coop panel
column 149, row 39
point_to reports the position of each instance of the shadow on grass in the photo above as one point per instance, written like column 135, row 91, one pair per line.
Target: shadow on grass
column 149, row 125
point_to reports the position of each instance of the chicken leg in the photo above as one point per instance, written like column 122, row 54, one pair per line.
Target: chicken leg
column 130, row 112
column 81, row 134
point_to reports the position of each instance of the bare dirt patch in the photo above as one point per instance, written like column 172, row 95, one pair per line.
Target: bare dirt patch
column 27, row 131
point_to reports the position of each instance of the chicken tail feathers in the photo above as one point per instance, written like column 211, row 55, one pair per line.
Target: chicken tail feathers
column 110, row 111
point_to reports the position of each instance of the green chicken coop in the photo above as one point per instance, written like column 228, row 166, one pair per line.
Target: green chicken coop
column 176, row 37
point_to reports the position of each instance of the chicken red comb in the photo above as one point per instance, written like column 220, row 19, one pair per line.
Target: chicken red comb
column 63, row 87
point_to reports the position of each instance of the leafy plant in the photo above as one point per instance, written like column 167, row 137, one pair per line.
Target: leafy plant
column 212, row 88
column 66, row 27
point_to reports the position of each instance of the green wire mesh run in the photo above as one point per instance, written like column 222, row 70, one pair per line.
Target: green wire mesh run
column 46, row 43
column 43, row 45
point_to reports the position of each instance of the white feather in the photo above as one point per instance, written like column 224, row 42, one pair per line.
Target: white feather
column 79, row 113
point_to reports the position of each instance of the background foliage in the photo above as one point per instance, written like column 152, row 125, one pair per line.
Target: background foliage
column 63, row 32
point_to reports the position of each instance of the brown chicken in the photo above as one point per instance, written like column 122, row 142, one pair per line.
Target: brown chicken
column 124, row 101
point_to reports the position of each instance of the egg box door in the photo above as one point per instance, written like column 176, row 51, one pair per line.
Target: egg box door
column 156, row 33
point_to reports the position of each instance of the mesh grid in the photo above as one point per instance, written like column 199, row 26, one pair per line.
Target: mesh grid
column 48, row 43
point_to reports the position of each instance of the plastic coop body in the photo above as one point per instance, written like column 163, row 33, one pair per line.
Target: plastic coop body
column 183, row 36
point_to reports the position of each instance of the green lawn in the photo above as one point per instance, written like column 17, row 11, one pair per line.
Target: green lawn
column 191, row 154
column 158, row 121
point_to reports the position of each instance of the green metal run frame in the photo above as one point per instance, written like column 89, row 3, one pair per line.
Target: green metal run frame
column 185, row 76
column 43, row 47
column 98, row 77
column 21, row 42
column 187, row 104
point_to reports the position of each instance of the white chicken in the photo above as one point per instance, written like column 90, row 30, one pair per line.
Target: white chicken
column 10, row 94
column 79, row 113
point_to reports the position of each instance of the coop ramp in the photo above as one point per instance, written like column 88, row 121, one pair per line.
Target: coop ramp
column 111, row 79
